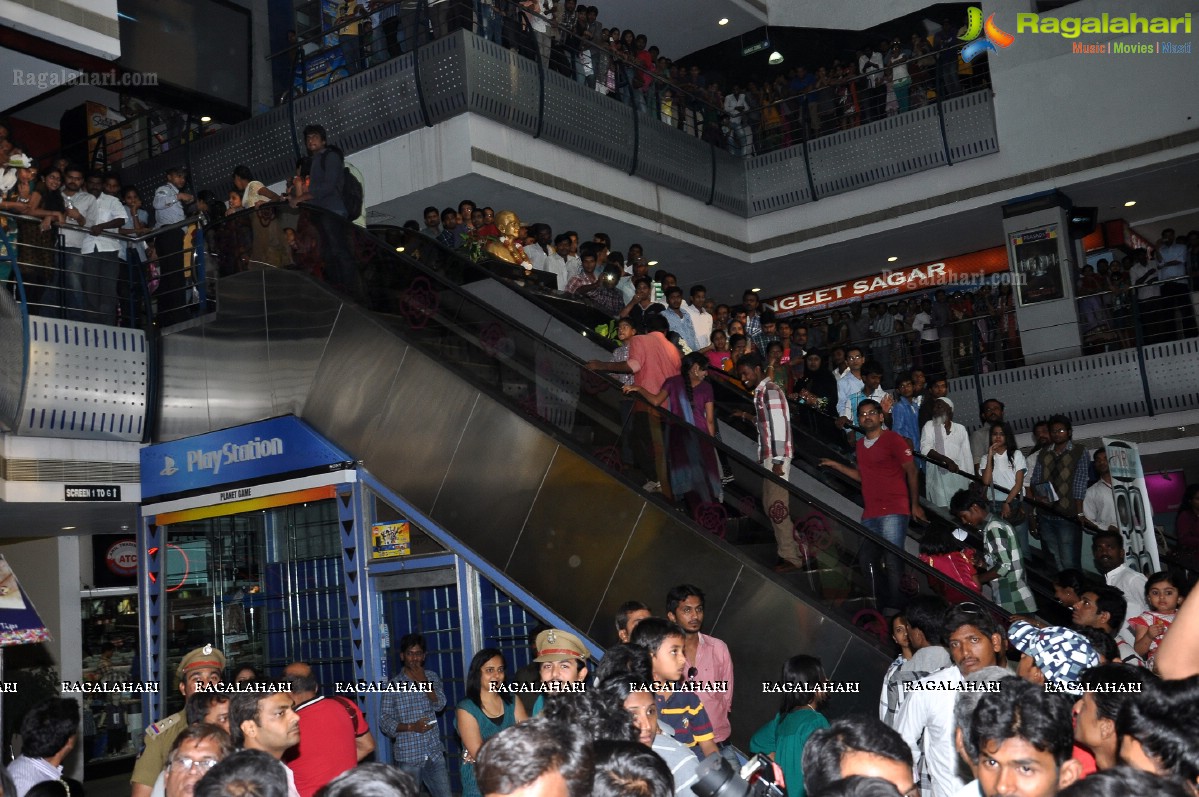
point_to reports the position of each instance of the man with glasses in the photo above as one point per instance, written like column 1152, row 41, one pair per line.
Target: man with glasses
column 197, row 750
column 850, row 382
column 891, row 493
column 200, row 667
column 1059, row 485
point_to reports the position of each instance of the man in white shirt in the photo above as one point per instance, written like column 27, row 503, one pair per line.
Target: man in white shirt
column 78, row 205
column 1099, row 505
column 926, row 718
column 558, row 261
column 49, row 732
column 930, row 339
column 735, row 105
column 701, row 319
column 850, row 382
column 539, row 251
column 1171, row 257
column 1108, row 550
column 101, row 256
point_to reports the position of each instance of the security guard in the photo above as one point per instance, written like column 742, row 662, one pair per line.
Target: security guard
column 200, row 667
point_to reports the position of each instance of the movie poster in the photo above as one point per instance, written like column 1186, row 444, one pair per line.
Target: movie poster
column 1040, row 272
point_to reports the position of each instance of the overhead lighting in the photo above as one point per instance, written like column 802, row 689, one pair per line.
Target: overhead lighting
column 399, row 249
column 755, row 290
column 1130, row 203
column 205, row 119
column 723, row 21
column 652, row 263
column 67, row 528
column 892, row 259
column 775, row 59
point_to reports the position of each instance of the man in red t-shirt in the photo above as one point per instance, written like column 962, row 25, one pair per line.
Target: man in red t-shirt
column 890, row 491
column 334, row 735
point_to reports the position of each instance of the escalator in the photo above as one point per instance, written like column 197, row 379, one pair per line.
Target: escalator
column 499, row 435
column 572, row 324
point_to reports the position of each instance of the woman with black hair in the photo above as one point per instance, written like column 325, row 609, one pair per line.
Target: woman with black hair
column 694, row 471
column 942, row 551
column 483, row 712
column 803, row 687
column 1003, row 470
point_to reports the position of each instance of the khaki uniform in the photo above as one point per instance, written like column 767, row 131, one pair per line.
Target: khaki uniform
column 160, row 737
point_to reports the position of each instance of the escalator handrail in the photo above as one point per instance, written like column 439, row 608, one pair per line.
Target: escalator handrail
column 805, row 456
column 851, row 525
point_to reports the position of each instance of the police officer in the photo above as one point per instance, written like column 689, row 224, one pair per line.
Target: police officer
column 200, row 667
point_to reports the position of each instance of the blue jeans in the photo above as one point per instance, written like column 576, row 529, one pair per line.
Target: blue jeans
column 432, row 772
column 893, row 529
column 1062, row 540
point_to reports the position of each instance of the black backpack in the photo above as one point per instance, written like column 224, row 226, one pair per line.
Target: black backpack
column 352, row 193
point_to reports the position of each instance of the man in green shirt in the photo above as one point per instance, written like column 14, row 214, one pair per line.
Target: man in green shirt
column 1002, row 563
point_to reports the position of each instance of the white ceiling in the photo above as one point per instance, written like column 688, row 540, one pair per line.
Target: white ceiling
column 47, row 519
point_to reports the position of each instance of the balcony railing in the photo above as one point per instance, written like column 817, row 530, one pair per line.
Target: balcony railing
column 463, row 73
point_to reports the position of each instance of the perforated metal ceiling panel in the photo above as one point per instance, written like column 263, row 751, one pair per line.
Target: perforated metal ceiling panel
column 674, row 159
column 970, row 126
column 86, row 381
column 777, row 180
column 585, row 121
column 498, row 84
column 876, row 152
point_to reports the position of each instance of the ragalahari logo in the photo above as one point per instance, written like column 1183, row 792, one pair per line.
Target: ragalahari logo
column 993, row 39
column 168, row 467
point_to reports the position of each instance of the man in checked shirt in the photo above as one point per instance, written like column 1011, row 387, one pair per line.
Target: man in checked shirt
column 773, row 418
column 410, row 719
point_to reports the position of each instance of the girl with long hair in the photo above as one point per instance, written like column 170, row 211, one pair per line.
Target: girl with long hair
column 483, row 712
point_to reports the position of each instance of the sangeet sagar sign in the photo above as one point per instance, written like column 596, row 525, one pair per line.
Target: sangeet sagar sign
column 964, row 270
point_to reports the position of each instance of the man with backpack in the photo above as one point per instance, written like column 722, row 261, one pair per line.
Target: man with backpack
column 328, row 187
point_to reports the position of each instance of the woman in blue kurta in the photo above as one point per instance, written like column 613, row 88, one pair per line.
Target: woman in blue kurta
column 783, row 737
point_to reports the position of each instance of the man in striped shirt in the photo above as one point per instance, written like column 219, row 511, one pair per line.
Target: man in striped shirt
column 773, row 418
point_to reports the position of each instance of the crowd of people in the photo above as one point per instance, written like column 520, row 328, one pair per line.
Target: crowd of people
column 901, row 72
column 968, row 707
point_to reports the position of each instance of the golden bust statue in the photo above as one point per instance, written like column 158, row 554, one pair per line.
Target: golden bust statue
column 508, row 247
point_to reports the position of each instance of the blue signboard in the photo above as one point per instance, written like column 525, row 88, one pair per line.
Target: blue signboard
column 239, row 454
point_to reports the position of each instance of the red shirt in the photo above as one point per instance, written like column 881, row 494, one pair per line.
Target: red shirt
column 328, row 742
column 884, row 480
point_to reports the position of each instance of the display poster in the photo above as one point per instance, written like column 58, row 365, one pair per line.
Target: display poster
column 1036, row 265
column 1133, row 508
column 389, row 540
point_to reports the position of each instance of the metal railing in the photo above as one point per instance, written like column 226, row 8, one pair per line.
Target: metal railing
column 156, row 277
column 461, row 72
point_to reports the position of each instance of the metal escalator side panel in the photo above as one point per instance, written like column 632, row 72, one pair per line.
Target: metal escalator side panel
column 498, row 496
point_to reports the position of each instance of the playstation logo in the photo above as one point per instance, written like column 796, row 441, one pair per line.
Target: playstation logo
column 168, row 468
